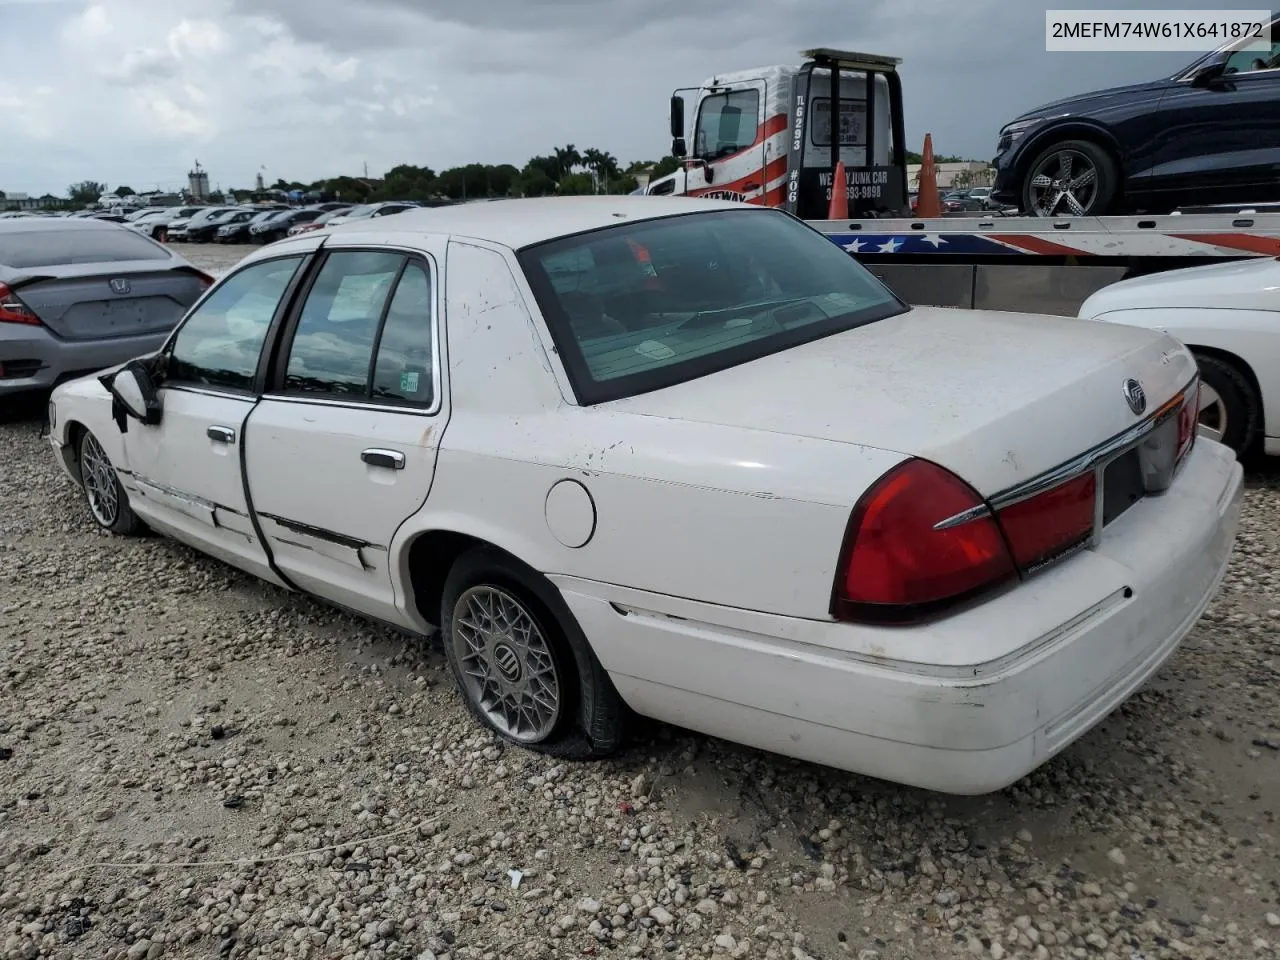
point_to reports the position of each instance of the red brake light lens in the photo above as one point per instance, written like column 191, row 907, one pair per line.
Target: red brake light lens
column 13, row 310
column 899, row 565
column 1043, row 527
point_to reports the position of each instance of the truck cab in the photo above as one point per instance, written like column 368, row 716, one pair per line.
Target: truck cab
column 763, row 136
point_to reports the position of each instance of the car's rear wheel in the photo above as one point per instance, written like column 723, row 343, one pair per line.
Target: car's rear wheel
column 521, row 661
column 1071, row 178
column 1230, row 411
column 108, row 503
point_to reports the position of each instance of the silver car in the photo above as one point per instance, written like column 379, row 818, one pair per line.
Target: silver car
column 78, row 295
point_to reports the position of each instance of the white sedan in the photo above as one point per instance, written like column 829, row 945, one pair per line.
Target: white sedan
column 686, row 459
column 1228, row 314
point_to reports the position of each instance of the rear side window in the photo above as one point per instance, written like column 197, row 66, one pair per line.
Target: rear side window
column 334, row 341
column 405, row 350
column 25, row 250
column 365, row 332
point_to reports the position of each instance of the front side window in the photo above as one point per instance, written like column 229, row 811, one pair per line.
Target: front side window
column 220, row 343
column 638, row 307
column 727, row 123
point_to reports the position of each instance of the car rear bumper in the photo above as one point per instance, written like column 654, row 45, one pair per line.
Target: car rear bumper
column 33, row 359
column 1053, row 657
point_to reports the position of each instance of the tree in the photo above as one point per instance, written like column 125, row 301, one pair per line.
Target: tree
column 534, row 182
column 664, row 167
column 123, row 191
column 86, row 192
column 567, row 158
column 576, row 184
column 407, row 182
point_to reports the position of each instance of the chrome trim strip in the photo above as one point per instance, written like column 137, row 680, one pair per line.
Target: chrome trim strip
column 326, row 401
column 1095, row 459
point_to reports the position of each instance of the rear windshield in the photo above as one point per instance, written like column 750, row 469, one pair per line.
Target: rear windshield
column 25, row 250
column 642, row 306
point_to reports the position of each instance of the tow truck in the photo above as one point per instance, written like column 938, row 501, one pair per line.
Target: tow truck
column 764, row 136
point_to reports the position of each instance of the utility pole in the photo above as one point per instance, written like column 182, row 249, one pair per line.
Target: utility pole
column 366, row 169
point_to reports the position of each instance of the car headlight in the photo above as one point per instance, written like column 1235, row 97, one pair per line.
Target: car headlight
column 1013, row 132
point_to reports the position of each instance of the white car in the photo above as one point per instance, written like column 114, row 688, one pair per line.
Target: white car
column 687, row 458
column 1228, row 314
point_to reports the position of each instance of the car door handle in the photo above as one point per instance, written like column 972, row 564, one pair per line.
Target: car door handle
column 221, row 434
column 391, row 459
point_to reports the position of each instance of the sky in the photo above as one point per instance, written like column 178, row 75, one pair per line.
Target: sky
column 134, row 91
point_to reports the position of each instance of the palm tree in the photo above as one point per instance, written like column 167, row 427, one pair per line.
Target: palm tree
column 567, row 158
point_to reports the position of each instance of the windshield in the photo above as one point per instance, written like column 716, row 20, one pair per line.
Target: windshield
column 643, row 306
column 360, row 212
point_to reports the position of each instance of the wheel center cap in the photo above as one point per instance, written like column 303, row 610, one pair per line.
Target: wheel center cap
column 507, row 662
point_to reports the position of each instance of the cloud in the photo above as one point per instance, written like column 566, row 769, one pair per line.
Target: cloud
column 137, row 89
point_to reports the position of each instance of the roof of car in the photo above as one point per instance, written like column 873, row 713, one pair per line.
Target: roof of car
column 33, row 224
column 521, row 223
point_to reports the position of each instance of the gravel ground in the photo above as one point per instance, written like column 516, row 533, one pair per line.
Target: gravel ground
column 194, row 764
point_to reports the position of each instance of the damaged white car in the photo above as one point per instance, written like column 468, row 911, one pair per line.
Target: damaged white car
column 687, row 459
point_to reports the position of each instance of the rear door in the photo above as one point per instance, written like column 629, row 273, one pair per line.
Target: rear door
column 184, row 474
column 342, row 448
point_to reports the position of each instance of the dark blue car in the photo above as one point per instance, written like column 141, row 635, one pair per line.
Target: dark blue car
column 1208, row 135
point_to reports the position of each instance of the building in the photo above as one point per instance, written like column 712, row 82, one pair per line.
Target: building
column 968, row 173
column 198, row 183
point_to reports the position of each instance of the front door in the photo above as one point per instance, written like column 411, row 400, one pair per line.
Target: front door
column 1221, row 140
column 184, row 474
column 342, row 449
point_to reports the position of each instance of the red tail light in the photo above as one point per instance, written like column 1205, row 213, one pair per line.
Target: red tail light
column 207, row 279
column 1047, row 525
column 13, row 310
column 898, row 565
column 903, row 561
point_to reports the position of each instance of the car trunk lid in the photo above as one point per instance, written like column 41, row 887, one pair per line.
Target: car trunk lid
column 997, row 398
column 86, row 302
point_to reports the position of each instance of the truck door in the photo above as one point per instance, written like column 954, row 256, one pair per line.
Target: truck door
column 730, row 137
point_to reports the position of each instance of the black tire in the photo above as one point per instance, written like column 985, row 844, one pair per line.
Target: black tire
column 104, row 496
column 589, row 721
column 1238, row 404
column 1099, row 201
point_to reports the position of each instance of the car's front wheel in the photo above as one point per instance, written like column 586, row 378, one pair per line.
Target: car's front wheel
column 1230, row 410
column 1073, row 178
column 108, row 503
column 521, row 661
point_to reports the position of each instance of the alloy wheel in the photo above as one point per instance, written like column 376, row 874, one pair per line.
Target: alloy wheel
column 99, row 479
column 1065, row 180
column 508, row 668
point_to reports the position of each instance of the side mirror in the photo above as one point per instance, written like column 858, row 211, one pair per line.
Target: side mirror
column 133, row 392
column 1208, row 75
column 679, row 149
column 677, row 116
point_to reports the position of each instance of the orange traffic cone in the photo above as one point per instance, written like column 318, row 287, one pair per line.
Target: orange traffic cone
column 839, row 208
column 928, row 204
